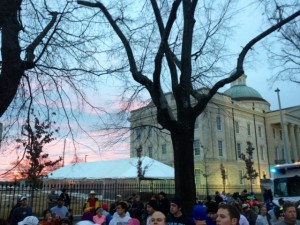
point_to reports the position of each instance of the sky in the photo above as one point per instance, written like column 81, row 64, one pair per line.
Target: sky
column 258, row 73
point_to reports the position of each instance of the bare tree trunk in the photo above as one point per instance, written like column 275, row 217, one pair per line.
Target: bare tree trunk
column 12, row 70
column 182, row 140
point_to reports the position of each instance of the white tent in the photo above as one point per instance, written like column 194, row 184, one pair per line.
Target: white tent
column 114, row 169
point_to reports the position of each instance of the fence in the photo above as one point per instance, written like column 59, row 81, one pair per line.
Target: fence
column 79, row 191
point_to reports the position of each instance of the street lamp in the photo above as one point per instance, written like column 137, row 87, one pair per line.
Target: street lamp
column 286, row 148
column 85, row 158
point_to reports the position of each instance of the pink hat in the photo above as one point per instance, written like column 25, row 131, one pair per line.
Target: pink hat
column 133, row 221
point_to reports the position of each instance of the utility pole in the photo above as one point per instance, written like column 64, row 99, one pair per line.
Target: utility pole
column 284, row 137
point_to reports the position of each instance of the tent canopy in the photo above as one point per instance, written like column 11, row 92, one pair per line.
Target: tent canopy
column 114, row 169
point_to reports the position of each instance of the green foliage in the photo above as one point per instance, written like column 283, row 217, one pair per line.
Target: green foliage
column 251, row 173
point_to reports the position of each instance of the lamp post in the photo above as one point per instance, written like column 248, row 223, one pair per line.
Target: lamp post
column 85, row 158
column 286, row 148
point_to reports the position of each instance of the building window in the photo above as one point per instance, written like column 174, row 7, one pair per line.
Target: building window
column 239, row 150
column 150, row 131
column 220, row 147
column 274, row 133
column 254, row 181
column 248, row 129
column 276, row 153
column 219, row 123
column 241, row 177
column 262, row 153
column 237, row 127
column 150, row 152
column 197, row 172
column 259, row 132
column 164, row 149
column 282, row 153
column 197, row 123
column 280, row 134
column 196, row 147
column 138, row 133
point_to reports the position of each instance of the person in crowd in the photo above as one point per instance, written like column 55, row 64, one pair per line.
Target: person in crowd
column 64, row 194
column 99, row 218
column 199, row 215
column 137, row 208
column 112, row 209
column 48, row 219
column 105, row 212
column 19, row 213
column 243, row 220
column 211, row 212
column 52, row 198
column 18, row 204
column 90, row 206
column 158, row 218
column 29, row 220
column 123, row 217
column 176, row 215
column 224, row 196
column 163, row 203
column 133, row 221
column 249, row 214
column 151, row 207
column 263, row 218
column 60, row 211
column 227, row 215
column 218, row 197
column 65, row 221
column 290, row 215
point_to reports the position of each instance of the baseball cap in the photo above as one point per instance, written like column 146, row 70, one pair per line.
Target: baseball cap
column 29, row 220
column 92, row 192
column 119, row 196
column 23, row 198
column 199, row 213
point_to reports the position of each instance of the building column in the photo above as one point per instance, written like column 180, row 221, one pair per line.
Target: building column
column 288, row 147
column 293, row 142
column 297, row 134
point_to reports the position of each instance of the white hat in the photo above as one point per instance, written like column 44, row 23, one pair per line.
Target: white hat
column 92, row 192
column 23, row 198
column 29, row 220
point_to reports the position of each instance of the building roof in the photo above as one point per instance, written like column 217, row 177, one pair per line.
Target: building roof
column 240, row 91
column 114, row 169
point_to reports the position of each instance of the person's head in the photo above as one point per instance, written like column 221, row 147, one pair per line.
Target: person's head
column 118, row 198
column 133, row 221
column 281, row 201
column 176, row 206
column 158, row 218
column 47, row 214
column 23, row 201
column 92, row 194
column 290, row 212
column 105, row 206
column 263, row 210
column 121, row 208
column 199, row 214
column 65, row 222
column 151, row 207
column 64, row 190
column 227, row 215
column 211, row 210
column 29, row 220
column 99, row 212
column 162, row 195
column 60, row 202
column 52, row 190
column 245, row 207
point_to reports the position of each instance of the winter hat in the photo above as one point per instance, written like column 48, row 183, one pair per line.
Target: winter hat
column 177, row 200
column 133, row 221
column 199, row 213
column 99, row 210
column 153, row 204
column 105, row 206
column 29, row 220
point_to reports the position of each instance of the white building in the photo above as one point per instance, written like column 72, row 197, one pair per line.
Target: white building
column 232, row 118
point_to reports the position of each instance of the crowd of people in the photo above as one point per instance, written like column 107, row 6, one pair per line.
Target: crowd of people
column 222, row 209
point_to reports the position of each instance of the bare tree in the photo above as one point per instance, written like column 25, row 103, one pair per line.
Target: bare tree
column 284, row 58
column 187, row 54
column 223, row 175
column 251, row 173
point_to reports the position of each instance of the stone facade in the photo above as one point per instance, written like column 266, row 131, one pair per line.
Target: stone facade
column 231, row 119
